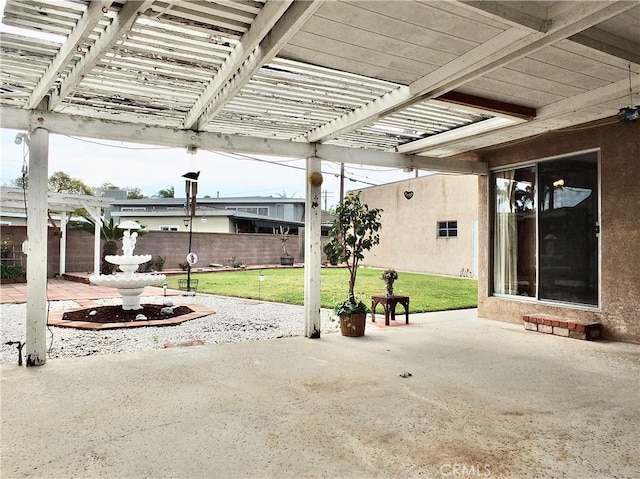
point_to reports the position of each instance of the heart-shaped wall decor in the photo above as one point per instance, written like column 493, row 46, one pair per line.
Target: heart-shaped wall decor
column 408, row 194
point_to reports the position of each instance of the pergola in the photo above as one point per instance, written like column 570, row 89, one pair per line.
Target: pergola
column 406, row 84
column 14, row 200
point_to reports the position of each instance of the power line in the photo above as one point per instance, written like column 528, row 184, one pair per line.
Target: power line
column 252, row 158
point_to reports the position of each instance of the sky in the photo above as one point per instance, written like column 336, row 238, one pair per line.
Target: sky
column 152, row 169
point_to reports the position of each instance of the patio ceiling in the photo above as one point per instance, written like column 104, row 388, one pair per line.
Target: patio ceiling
column 388, row 83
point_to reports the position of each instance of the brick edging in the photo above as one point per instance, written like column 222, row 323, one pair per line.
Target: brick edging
column 568, row 328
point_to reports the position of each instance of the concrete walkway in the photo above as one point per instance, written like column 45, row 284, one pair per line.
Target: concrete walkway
column 484, row 399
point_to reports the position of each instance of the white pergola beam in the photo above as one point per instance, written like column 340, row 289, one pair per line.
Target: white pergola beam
column 79, row 34
column 260, row 27
column 109, row 130
column 358, row 156
column 508, row 46
column 288, row 25
column 110, row 36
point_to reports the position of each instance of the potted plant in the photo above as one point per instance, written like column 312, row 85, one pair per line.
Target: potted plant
column 332, row 249
column 356, row 229
column 389, row 276
column 283, row 235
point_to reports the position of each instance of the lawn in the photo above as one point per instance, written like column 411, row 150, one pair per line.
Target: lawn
column 286, row 285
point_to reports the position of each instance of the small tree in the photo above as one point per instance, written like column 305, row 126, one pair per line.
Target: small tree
column 356, row 228
column 283, row 236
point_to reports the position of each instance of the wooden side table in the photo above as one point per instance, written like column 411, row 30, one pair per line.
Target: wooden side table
column 389, row 304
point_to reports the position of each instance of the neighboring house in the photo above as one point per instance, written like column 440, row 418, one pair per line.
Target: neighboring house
column 429, row 225
column 254, row 214
column 222, row 229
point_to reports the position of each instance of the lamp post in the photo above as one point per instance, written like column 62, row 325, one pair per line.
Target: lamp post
column 191, row 189
column 260, row 280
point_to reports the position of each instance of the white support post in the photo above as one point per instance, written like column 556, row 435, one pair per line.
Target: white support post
column 64, row 219
column 37, row 222
column 97, row 255
column 95, row 214
column 312, row 248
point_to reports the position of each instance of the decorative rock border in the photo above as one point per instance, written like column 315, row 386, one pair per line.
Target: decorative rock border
column 55, row 319
column 568, row 328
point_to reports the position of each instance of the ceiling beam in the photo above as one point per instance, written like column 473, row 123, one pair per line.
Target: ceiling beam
column 504, row 48
column 453, row 136
column 546, row 120
column 359, row 156
column 610, row 92
column 109, row 37
column 70, row 125
column 486, row 104
column 260, row 27
column 90, row 18
column 250, row 58
column 601, row 41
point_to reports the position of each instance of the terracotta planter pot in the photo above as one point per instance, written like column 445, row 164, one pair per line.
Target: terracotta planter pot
column 353, row 325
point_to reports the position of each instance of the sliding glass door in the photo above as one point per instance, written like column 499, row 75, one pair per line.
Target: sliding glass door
column 514, row 242
column 568, row 229
column 545, row 230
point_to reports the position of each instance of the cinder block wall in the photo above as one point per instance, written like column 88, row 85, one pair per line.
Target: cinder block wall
column 216, row 248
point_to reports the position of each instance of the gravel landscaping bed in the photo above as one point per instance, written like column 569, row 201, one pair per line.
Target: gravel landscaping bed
column 235, row 320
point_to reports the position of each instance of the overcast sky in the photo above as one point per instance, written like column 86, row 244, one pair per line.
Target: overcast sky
column 152, row 169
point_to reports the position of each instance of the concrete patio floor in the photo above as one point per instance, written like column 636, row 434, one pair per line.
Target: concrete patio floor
column 484, row 399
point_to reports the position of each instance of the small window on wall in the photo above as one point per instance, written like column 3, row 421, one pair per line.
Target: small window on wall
column 168, row 228
column 447, row 229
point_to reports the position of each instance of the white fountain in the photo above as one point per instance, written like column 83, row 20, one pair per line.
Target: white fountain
column 128, row 283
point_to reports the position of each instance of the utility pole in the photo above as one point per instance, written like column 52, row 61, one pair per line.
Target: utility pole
column 341, row 182
column 326, row 195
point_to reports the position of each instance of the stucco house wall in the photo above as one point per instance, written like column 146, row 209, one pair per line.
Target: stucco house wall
column 619, row 145
column 409, row 240
column 201, row 224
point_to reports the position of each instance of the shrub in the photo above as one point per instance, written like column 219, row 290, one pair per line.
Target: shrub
column 235, row 262
column 158, row 262
column 12, row 271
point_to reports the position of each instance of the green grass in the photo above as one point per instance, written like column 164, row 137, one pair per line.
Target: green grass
column 427, row 292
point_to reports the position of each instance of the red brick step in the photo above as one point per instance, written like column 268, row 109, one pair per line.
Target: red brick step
column 568, row 328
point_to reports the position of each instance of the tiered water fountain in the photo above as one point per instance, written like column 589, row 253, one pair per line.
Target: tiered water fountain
column 128, row 283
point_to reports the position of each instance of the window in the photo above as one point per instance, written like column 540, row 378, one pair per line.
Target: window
column 256, row 210
column 447, row 229
column 168, row 228
column 546, row 229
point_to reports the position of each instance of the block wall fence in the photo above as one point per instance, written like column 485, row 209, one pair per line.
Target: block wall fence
column 212, row 248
